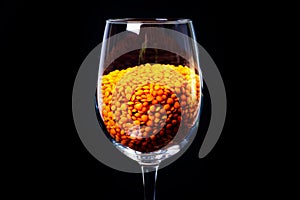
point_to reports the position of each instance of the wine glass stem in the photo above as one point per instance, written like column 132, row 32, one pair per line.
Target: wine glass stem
column 149, row 173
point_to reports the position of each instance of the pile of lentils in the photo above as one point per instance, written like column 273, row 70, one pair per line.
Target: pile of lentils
column 142, row 107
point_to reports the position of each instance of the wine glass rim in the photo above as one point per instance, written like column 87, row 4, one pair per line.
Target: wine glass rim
column 149, row 20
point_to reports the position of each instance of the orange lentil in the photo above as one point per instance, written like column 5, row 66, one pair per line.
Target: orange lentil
column 144, row 118
column 176, row 105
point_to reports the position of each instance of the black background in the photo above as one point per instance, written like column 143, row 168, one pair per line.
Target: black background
column 45, row 44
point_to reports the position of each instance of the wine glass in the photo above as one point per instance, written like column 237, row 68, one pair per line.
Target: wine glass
column 149, row 90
